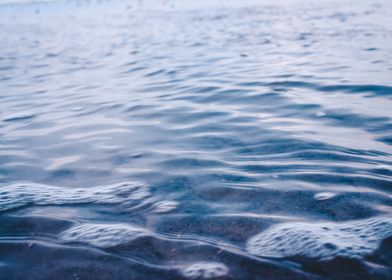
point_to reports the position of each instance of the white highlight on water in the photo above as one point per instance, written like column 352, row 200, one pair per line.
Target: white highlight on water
column 324, row 195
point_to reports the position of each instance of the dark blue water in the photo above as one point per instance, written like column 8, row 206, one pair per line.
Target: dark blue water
column 196, row 140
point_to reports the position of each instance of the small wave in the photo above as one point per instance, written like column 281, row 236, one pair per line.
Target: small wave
column 375, row 90
column 164, row 206
column 324, row 241
column 19, row 117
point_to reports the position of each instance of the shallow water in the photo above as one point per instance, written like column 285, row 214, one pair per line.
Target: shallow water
column 207, row 140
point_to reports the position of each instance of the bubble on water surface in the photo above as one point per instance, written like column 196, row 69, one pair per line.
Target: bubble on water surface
column 102, row 235
column 205, row 270
column 22, row 194
column 324, row 241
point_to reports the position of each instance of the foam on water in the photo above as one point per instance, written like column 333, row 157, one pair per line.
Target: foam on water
column 205, row 270
column 324, row 241
column 102, row 235
column 22, row 194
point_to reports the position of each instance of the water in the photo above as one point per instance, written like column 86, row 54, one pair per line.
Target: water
column 204, row 140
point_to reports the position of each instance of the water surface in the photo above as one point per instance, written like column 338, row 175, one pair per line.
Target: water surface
column 204, row 140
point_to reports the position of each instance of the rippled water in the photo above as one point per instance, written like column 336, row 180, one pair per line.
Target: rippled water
column 205, row 140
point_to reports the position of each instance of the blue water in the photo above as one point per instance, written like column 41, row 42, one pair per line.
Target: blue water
column 196, row 139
